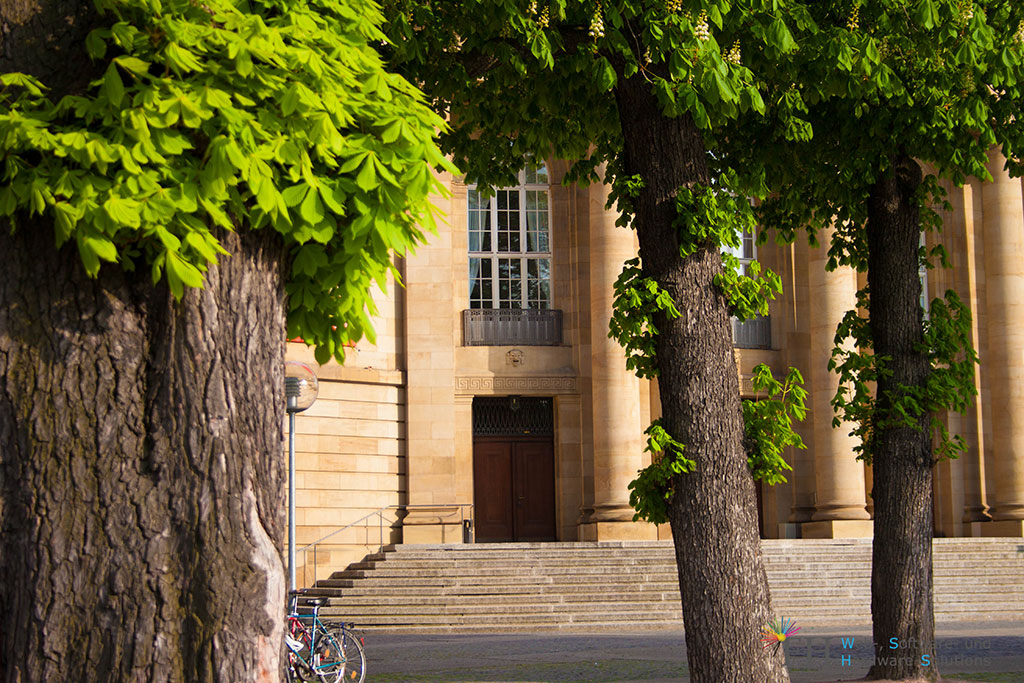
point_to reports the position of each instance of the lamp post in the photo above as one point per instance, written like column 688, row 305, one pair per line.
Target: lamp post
column 300, row 390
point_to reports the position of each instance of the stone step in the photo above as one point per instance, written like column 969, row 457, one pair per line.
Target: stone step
column 586, row 586
column 567, row 559
column 787, row 595
column 943, row 571
column 512, row 579
column 577, row 592
column 615, row 625
column 603, row 571
column 535, row 617
column 789, row 607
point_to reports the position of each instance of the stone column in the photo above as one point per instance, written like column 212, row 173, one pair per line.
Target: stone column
column 617, row 432
column 967, row 221
column 839, row 509
column 1004, row 277
column 797, row 298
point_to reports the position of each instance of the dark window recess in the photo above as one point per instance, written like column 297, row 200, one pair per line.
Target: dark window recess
column 511, row 327
column 512, row 416
column 755, row 333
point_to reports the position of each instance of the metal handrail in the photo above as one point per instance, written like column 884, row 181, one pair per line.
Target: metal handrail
column 379, row 513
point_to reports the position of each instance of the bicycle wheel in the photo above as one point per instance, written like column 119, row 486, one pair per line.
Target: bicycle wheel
column 349, row 663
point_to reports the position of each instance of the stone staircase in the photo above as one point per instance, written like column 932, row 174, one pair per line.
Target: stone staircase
column 613, row 585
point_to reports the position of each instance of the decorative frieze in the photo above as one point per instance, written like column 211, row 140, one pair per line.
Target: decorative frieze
column 540, row 386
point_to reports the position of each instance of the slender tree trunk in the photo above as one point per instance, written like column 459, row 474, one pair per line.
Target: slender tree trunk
column 901, row 570
column 141, row 475
column 713, row 513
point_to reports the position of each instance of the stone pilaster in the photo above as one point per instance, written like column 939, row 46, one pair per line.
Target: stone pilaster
column 1004, row 276
column 430, row 371
column 569, row 465
column 839, row 509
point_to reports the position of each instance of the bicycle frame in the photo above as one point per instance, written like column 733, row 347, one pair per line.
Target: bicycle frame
column 306, row 642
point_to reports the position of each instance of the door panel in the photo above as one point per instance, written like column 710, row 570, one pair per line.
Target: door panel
column 514, row 489
column 492, row 491
column 534, row 490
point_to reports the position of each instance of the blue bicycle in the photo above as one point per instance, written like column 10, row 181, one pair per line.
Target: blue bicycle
column 318, row 651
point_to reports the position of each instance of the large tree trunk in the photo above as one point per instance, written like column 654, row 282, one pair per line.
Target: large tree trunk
column 901, row 569
column 141, row 478
column 713, row 513
column 141, row 484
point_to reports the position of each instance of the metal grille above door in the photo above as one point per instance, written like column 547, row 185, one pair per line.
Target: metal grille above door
column 512, row 416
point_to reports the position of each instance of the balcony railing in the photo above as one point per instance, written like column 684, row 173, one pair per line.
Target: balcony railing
column 511, row 327
column 755, row 333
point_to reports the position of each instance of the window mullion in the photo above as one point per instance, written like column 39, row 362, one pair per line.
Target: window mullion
column 523, row 212
column 524, row 283
column 495, row 275
column 495, row 282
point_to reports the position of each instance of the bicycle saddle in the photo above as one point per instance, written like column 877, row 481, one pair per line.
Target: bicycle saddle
column 315, row 602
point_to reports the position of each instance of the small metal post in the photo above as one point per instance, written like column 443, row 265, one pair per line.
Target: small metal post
column 291, row 495
column 300, row 391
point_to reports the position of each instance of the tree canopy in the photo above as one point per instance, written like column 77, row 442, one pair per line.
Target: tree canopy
column 938, row 80
column 820, row 109
column 643, row 89
column 528, row 78
column 232, row 116
column 886, row 87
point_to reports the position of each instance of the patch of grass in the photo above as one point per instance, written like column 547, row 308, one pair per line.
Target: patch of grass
column 1005, row 677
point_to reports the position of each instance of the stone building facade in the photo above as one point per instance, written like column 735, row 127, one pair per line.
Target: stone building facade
column 494, row 394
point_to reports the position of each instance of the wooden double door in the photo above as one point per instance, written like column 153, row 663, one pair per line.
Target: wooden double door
column 514, row 488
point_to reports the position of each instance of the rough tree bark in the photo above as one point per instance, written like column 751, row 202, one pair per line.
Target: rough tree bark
column 140, row 468
column 46, row 38
column 901, row 569
column 713, row 513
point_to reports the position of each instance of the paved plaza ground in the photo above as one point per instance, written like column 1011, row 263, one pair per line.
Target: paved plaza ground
column 977, row 651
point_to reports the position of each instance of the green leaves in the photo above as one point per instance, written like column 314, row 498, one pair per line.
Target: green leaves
column 639, row 302
column 779, row 37
column 113, row 86
column 123, row 211
column 926, row 14
column 949, row 385
column 92, row 248
column 768, row 422
column 604, row 74
column 219, row 117
column 366, row 179
column 652, row 490
column 181, row 274
column 312, row 208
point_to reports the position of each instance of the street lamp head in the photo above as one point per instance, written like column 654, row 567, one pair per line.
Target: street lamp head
column 300, row 386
